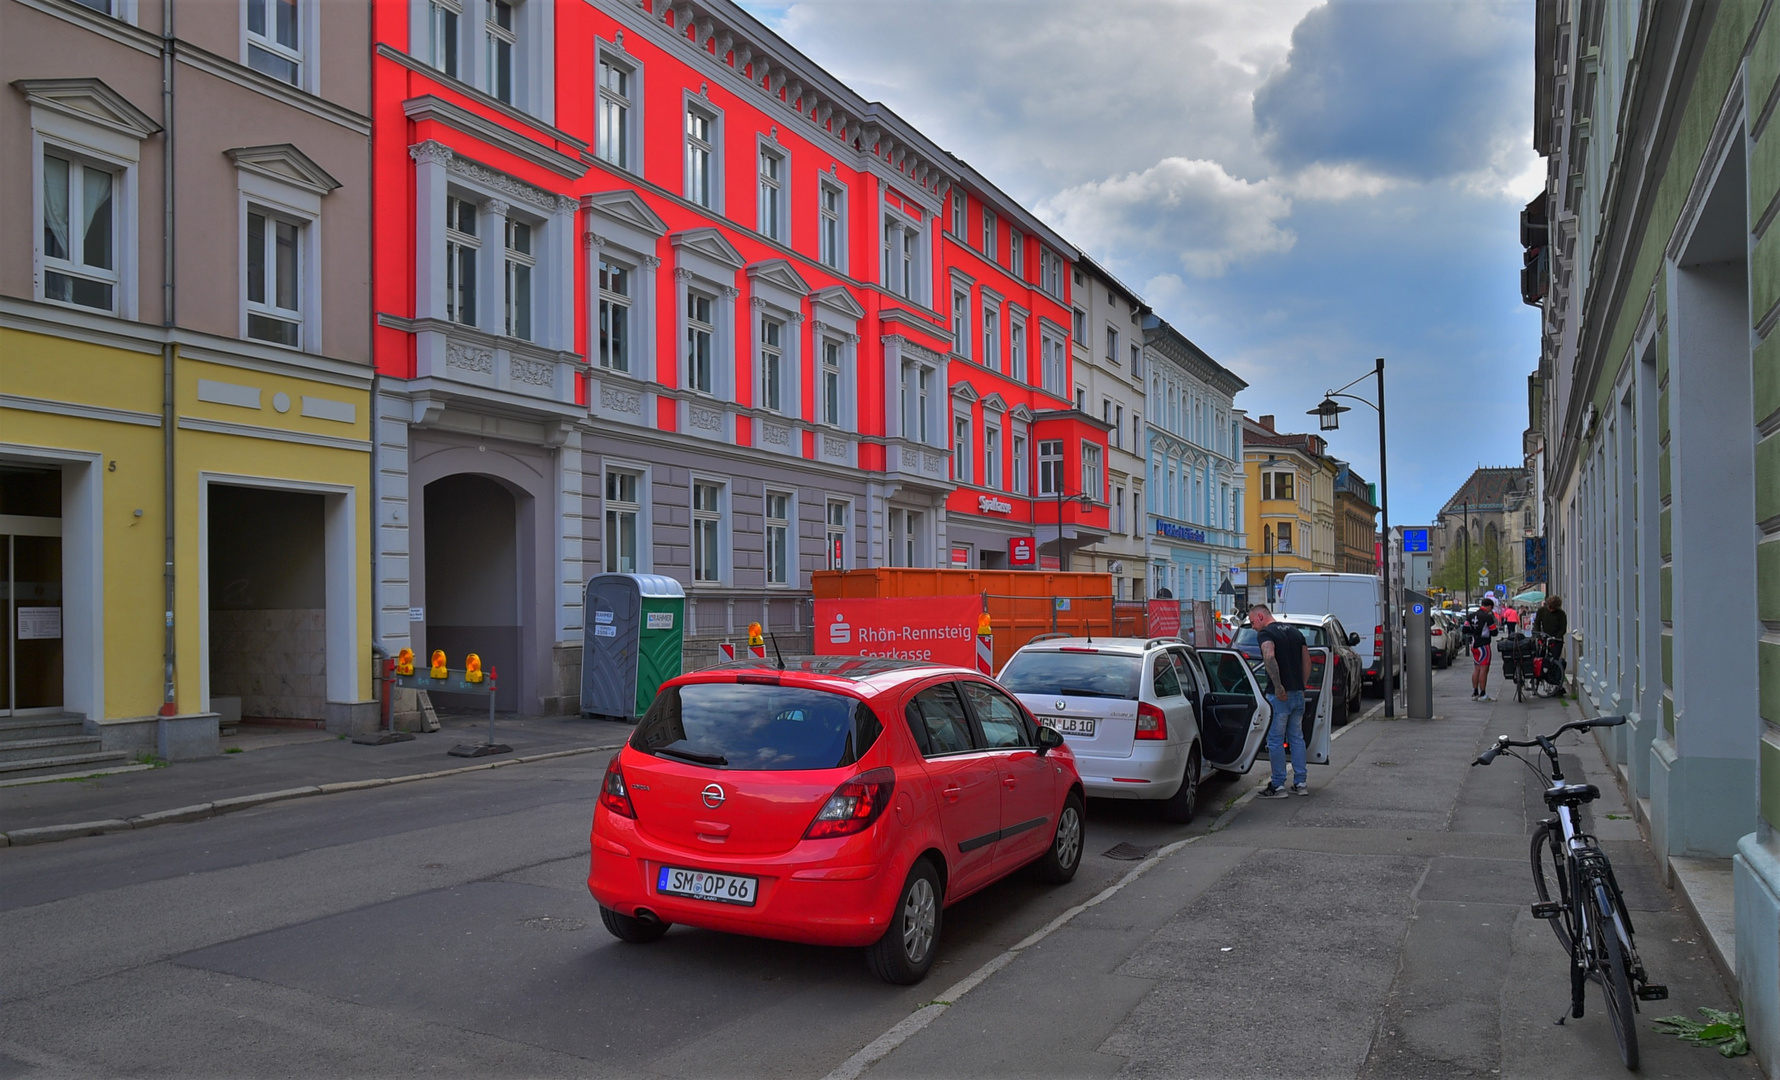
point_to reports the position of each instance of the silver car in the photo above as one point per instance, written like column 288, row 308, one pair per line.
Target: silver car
column 1147, row 718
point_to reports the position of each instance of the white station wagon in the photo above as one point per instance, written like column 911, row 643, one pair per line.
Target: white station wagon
column 1146, row 719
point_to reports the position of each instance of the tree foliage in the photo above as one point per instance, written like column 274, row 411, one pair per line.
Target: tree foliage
column 1451, row 573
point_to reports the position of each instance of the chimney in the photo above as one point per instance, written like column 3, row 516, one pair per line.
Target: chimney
column 1265, row 421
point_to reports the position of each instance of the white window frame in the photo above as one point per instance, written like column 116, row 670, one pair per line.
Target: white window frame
column 446, row 58
column 695, row 326
column 786, row 544
column 267, row 307
column 963, row 470
column 841, row 372
column 1016, row 252
column 960, row 212
column 612, row 507
column 494, row 35
column 989, row 237
column 991, row 335
column 719, row 535
column 304, row 55
column 1051, row 272
column 72, row 267
column 1112, row 345
column 841, row 530
column 1050, row 467
column 992, row 477
column 1016, row 337
column 832, row 224
column 1078, row 327
column 961, row 341
column 1053, row 353
column 773, row 205
column 711, row 148
column 905, row 271
column 1093, row 477
column 300, row 206
column 610, row 303
column 1017, row 458
column 918, row 399
column 623, row 150
column 773, row 361
column 520, row 265
column 456, row 242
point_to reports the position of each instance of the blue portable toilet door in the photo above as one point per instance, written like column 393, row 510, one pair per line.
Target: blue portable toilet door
column 613, row 607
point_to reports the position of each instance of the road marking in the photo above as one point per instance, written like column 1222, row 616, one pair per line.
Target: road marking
column 884, row 1045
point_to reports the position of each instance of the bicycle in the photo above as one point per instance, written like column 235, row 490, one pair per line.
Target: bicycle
column 1587, row 913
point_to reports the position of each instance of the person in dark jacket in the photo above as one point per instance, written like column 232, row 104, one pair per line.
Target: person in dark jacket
column 1552, row 620
column 1481, row 627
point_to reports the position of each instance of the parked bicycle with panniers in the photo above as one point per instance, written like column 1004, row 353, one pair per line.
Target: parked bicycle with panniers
column 1532, row 662
column 1579, row 895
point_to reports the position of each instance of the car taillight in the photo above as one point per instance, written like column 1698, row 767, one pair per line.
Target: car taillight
column 854, row 805
column 614, row 796
column 1151, row 723
column 1378, row 640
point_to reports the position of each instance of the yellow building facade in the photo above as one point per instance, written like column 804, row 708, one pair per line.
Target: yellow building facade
column 1289, row 515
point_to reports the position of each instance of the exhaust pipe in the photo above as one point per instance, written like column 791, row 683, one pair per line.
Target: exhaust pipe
column 647, row 916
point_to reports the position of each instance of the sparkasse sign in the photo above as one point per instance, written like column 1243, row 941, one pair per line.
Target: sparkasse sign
column 941, row 629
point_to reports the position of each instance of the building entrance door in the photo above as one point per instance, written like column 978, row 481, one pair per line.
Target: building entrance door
column 30, row 590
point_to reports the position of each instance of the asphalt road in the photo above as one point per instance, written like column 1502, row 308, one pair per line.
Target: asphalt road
column 1378, row 928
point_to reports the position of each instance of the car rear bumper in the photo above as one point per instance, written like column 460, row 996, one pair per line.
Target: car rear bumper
column 1149, row 773
column 819, row 893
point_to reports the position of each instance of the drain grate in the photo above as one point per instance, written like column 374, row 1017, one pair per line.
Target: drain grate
column 1130, row 852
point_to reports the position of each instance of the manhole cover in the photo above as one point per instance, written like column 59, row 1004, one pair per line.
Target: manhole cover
column 1130, row 852
column 545, row 922
column 1385, row 764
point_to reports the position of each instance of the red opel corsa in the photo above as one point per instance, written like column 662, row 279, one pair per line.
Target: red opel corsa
column 835, row 801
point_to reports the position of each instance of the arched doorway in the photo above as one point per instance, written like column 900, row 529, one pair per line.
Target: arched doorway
column 472, row 580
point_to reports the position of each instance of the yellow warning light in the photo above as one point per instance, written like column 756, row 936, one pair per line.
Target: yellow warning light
column 983, row 629
column 405, row 662
column 472, row 668
column 439, row 670
column 754, row 635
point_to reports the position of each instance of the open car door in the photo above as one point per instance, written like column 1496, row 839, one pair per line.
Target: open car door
column 1234, row 715
column 1319, row 705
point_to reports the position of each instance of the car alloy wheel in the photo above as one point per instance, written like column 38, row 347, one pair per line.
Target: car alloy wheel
column 903, row 955
column 1069, row 836
column 918, row 911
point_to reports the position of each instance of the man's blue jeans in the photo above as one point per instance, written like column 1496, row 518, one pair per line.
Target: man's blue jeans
column 1287, row 727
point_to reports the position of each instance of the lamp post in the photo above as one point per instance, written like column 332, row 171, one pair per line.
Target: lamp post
column 1328, row 413
column 1084, row 498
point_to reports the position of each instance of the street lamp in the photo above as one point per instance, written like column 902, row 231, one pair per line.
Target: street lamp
column 1085, row 499
column 1328, row 413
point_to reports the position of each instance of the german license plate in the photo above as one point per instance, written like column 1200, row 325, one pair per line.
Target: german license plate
column 706, row 885
column 1069, row 725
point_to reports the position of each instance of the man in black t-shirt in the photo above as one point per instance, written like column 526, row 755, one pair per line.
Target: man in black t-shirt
column 1480, row 627
column 1287, row 658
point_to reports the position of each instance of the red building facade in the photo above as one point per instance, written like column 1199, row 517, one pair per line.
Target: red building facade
column 656, row 294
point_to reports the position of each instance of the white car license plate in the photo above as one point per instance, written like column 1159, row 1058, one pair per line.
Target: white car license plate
column 706, row 885
column 1069, row 725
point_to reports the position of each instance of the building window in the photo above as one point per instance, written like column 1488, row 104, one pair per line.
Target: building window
column 911, row 538
column 1016, row 340
column 1091, row 486
column 771, row 220
column 991, row 337
column 771, row 363
column 273, row 45
column 1112, row 345
column 988, row 235
column 961, row 449
column 1118, row 509
column 1016, row 252
column 442, row 19
column 1136, row 361
column 1018, row 454
column 778, row 538
column 1282, row 538
column 614, row 113
column 1079, row 326
column 837, row 535
column 831, row 231
column 961, row 321
column 1276, row 486
column 461, row 247
column 1051, row 272
column 991, row 457
column 80, row 235
column 902, row 257
column 1114, row 414
column 959, row 205
column 614, row 316
column 1081, row 399
column 1050, row 466
column 831, row 382
column 503, row 38
column 701, row 151
column 1051, row 352
column 518, row 273
column 623, row 514
column 707, row 531
column 274, row 278
column 701, row 329
column 923, row 407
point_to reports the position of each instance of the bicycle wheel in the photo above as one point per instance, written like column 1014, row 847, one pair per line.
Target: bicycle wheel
column 1612, row 965
column 1551, row 879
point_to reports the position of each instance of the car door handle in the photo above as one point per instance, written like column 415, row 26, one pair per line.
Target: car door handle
column 1010, row 782
column 952, row 791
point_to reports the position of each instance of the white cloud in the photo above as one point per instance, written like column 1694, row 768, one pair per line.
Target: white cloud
column 1189, row 209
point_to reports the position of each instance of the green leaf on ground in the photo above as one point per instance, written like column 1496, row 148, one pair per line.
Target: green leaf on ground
column 1723, row 1031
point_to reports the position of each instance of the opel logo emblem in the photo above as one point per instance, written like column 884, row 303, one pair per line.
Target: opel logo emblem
column 1061, row 705
column 713, row 796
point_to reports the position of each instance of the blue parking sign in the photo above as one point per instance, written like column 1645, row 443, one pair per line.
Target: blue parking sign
column 1415, row 539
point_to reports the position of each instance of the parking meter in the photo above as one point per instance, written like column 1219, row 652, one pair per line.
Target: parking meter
column 1418, row 660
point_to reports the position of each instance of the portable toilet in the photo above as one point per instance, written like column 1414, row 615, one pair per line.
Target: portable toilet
column 636, row 627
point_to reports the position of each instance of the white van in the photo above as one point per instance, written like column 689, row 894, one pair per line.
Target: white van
column 1357, row 600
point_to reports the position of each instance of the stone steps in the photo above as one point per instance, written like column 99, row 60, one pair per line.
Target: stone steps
column 40, row 727
column 10, row 770
column 33, row 745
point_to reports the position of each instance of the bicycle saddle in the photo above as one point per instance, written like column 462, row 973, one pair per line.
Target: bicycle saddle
column 1558, row 793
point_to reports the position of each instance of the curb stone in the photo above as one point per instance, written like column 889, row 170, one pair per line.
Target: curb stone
column 47, row 834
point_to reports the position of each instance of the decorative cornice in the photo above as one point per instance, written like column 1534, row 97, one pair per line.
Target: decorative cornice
column 89, row 100
column 431, row 107
column 286, row 164
column 625, row 205
column 458, row 165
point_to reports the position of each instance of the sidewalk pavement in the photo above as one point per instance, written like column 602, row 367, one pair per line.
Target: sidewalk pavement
column 276, row 764
column 1380, row 927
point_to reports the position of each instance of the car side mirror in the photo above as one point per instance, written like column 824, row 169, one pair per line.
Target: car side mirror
column 1353, row 638
column 1048, row 739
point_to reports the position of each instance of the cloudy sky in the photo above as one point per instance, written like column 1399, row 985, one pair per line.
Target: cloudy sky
column 1299, row 187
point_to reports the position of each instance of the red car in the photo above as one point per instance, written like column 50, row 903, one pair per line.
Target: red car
column 834, row 800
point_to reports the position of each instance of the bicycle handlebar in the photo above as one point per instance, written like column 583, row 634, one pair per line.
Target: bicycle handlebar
column 1544, row 742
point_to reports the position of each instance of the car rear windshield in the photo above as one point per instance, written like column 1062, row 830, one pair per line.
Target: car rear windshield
column 756, row 726
column 1313, row 636
column 1074, row 674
